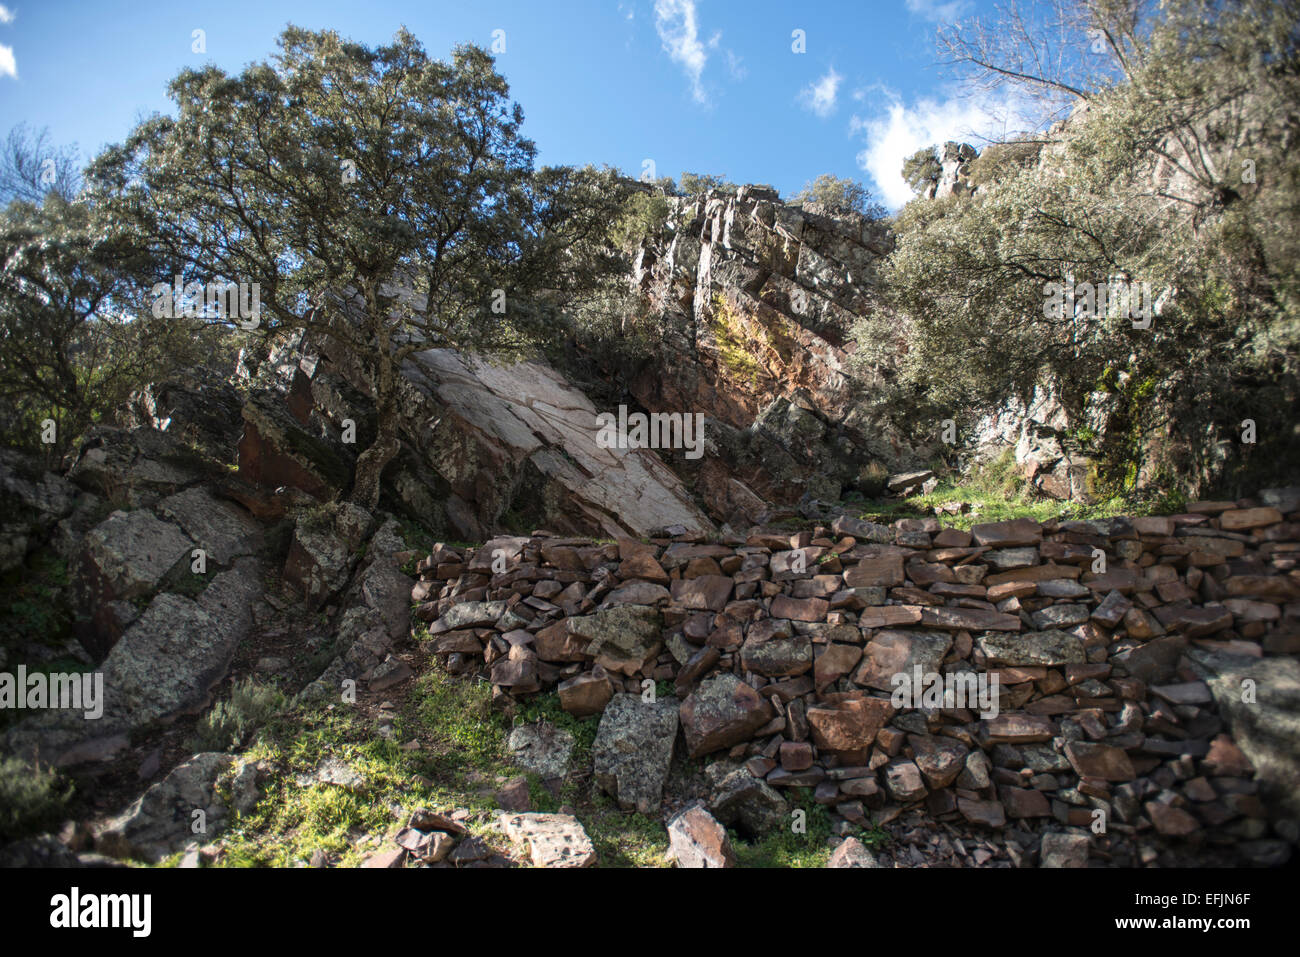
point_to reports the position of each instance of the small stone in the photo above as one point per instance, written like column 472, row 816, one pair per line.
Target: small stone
column 697, row 839
column 852, row 853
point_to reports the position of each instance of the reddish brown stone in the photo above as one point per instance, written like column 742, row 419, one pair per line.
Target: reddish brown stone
column 709, row 592
column 799, row 609
column 851, row 726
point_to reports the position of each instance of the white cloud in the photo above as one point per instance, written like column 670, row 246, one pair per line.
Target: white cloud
column 678, row 30
column 820, row 96
column 902, row 129
column 735, row 66
column 8, row 65
column 939, row 11
column 6, row 15
column 628, row 11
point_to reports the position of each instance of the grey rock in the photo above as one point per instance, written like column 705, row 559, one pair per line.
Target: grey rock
column 223, row 530
column 162, row 820
column 1050, row 648
column 633, row 750
column 542, row 749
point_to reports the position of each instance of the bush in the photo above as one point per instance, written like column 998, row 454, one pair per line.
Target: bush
column 840, row 196
column 230, row 722
column 998, row 160
column 922, row 169
column 32, row 799
column 644, row 217
column 872, row 480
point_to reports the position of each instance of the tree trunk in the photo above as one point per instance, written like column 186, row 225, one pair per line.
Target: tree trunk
column 371, row 462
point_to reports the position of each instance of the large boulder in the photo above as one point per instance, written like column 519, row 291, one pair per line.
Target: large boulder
column 181, row 808
column 203, row 410
column 222, row 529
column 721, row 712
column 624, row 638
column 125, row 557
column 633, row 749
column 278, row 450
column 134, row 468
column 165, row 664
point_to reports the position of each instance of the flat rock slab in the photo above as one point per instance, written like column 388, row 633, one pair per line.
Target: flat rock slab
column 852, row 853
column 1051, row 648
column 223, row 530
column 553, row 840
column 890, row 653
column 469, row 614
column 130, row 552
column 531, row 413
column 1093, row 760
column 622, row 638
column 1064, row 849
column 633, row 749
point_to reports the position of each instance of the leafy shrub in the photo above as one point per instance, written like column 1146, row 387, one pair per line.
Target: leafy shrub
column 230, row 722
column 840, row 195
column 1000, row 159
column 31, row 799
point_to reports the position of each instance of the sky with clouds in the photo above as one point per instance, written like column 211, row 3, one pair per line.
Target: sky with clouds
column 759, row 91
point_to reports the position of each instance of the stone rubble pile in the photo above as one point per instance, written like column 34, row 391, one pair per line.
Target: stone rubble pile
column 1147, row 672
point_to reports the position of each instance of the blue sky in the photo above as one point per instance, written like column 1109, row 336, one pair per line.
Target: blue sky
column 710, row 86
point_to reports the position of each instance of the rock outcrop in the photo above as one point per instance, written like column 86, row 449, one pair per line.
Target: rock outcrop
column 755, row 298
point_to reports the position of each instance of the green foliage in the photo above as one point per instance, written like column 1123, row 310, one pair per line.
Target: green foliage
column 32, row 799
column 840, row 195
column 230, row 722
column 999, row 160
column 785, row 848
column 694, row 183
column 74, row 342
column 969, row 278
column 404, row 180
column 922, row 169
column 643, row 219
column 33, row 601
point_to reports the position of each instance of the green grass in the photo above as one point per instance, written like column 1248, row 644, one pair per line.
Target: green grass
column 624, row 840
column 786, row 848
column 998, row 493
column 461, row 760
column 294, row 818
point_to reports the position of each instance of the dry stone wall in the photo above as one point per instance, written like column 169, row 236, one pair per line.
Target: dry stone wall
column 1139, row 676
